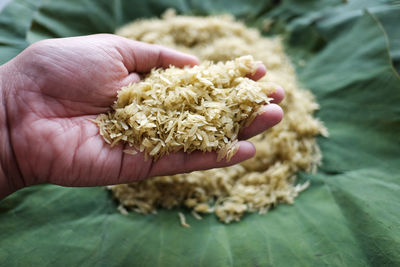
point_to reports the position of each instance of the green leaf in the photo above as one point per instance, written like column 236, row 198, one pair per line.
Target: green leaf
column 350, row 216
column 15, row 20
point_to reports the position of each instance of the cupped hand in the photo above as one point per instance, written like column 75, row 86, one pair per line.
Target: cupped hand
column 54, row 87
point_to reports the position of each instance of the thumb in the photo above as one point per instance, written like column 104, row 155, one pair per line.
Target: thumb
column 141, row 57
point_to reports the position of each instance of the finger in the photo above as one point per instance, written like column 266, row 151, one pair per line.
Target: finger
column 260, row 72
column 278, row 95
column 271, row 115
column 133, row 77
column 181, row 162
column 141, row 57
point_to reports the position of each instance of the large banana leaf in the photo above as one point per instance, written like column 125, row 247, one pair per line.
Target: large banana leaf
column 350, row 215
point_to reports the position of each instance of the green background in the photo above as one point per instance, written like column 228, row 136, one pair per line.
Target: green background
column 350, row 215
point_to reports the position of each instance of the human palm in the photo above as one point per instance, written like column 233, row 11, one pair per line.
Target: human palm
column 58, row 85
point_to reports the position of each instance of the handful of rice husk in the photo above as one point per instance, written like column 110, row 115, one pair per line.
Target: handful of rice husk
column 255, row 185
column 199, row 108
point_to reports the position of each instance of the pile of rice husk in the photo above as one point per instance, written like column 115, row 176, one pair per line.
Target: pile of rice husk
column 259, row 183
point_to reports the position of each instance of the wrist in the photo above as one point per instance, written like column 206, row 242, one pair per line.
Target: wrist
column 10, row 177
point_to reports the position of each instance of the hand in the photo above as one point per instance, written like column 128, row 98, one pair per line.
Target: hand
column 53, row 88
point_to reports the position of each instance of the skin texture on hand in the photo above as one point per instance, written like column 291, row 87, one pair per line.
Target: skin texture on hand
column 52, row 89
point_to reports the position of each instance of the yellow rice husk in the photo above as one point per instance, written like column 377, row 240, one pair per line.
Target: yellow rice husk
column 200, row 108
column 257, row 184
